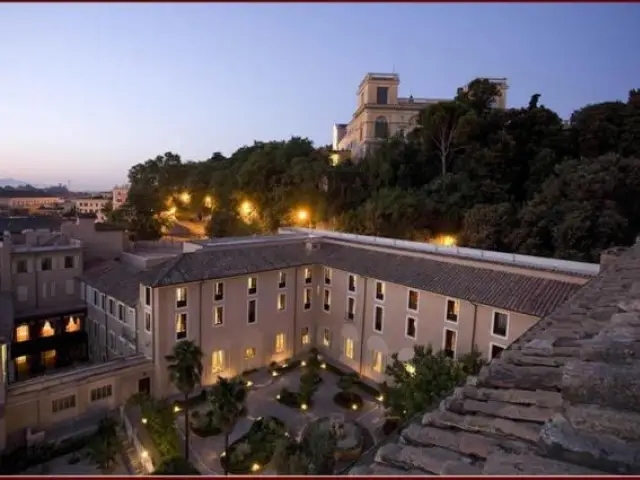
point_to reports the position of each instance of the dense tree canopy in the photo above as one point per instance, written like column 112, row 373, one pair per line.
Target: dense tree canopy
column 514, row 180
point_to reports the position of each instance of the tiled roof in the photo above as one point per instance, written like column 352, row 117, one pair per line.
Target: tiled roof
column 510, row 291
column 116, row 279
column 563, row 399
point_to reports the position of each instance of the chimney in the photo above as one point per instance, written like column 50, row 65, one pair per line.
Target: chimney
column 610, row 256
column 5, row 263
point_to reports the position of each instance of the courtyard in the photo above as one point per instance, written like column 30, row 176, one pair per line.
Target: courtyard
column 262, row 402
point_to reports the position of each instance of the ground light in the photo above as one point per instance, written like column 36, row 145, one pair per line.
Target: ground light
column 144, row 454
column 274, row 373
column 144, row 421
column 354, row 407
column 255, row 467
column 324, row 365
column 249, row 383
column 223, row 454
column 176, row 409
column 278, row 397
column 304, row 406
column 380, row 398
column 303, row 363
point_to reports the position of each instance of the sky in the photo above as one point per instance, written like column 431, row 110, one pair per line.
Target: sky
column 88, row 90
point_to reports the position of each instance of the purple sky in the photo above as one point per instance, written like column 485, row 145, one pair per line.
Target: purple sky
column 90, row 89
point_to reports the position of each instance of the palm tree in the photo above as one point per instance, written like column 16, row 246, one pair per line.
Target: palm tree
column 227, row 401
column 185, row 372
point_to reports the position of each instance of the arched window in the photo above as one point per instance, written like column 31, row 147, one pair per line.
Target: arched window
column 381, row 129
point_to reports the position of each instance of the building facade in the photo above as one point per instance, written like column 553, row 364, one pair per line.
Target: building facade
column 26, row 200
column 90, row 205
column 119, row 196
column 381, row 113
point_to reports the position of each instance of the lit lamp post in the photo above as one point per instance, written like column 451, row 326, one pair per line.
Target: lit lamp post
column 304, row 217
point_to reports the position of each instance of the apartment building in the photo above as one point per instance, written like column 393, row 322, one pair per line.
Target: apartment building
column 27, row 200
column 382, row 113
column 253, row 301
column 90, row 205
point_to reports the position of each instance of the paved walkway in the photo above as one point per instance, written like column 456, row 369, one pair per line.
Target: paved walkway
column 261, row 402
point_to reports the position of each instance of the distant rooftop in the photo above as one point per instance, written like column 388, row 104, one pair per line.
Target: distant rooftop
column 16, row 225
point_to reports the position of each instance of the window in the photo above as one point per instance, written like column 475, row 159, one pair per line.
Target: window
column 218, row 315
column 380, row 291
column 147, row 296
column 69, row 287
column 327, row 276
column 282, row 280
column 307, row 299
column 304, row 336
column 411, row 328
column 121, row 312
column 352, row 283
column 46, row 264
column 112, row 341
column 381, row 128
column 73, row 325
column 249, row 353
column 22, row 293
column 279, row 343
column 453, row 310
column 181, row 326
column 496, row 351
column 351, row 308
column 49, row 290
column 96, row 302
column 500, row 324
column 217, row 361
column 218, row 291
column 68, row 261
column 251, row 311
column 327, row 300
column 450, row 341
column 64, row 403
column 22, row 365
column 326, row 337
column 379, row 319
column 348, row 348
column 112, row 306
column 22, row 333
column 412, row 300
column 282, row 302
column 377, row 362
column 48, row 358
column 21, row 266
column 252, row 285
column 147, row 321
column 382, row 95
column 308, row 276
column 101, row 393
column 181, row 297
column 47, row 330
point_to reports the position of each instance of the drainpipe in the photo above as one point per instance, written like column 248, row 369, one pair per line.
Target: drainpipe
column 363, row 318
column 295, row 311
column 475, row 322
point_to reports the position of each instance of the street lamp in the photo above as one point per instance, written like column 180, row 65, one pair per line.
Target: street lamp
column 304, row 217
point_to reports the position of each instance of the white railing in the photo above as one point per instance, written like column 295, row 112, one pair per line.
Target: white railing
column 530, row 261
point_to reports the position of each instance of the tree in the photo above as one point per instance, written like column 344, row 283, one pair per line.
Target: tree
column 312, row 455
column 417, row 383
column 227, row 400
column 176, row 466
column 185, row 372
column 104, row 447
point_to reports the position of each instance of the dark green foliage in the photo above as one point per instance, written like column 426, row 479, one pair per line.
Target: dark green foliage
column 313, row 455
column 256, row 447
column 105, row 445
column 176, row 466
column 515, row 180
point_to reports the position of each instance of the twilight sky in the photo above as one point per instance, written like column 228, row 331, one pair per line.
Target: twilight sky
column 88, row 90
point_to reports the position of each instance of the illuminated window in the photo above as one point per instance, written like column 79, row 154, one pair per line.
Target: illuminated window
column 181, row 326
column 307, row 299
column 305, row 337
column 47, row 330
column 22, row 333
column 377, row 361
column 308, row 276
column 327, row 300
column 73, row 325
column 282, row 280
column 453, row 310
column 49, row 358
column 348, row 348
column 218, row 315
column 181, row 297
column 249, row 353
column 328, row 274
column 217, row 361
column 282, row 302
column 252, row 285
column 326, row 337
column 22, row 365
column 279, row 343
column 218, row 291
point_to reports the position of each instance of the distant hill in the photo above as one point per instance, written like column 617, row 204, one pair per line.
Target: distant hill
column 12, row 182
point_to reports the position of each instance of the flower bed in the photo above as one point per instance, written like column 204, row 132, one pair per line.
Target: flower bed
column 254, row 450
column 348, row 400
